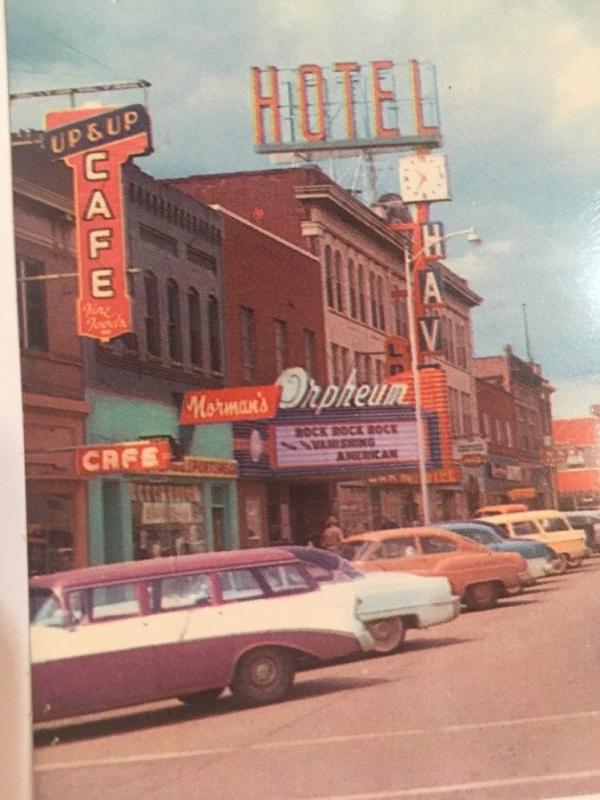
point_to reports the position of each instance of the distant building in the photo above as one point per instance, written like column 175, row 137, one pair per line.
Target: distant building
column 531, row 445
column 577, row 460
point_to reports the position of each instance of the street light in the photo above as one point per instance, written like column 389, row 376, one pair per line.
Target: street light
column 409, row 260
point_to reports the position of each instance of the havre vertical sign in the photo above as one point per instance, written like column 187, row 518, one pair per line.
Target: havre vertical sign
column 95, row 143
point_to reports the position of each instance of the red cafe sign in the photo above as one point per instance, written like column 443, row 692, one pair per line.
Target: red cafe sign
column 96, row 143
column 99, row 459
column 237, row 404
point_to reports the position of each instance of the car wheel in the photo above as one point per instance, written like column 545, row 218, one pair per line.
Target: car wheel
column 559, row 565
column 388, row 634
column 201, row 699
column 574, row 562
column 480, row 596
column 264, row 675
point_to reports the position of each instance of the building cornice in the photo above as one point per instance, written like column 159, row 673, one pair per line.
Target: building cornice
column 42, row 195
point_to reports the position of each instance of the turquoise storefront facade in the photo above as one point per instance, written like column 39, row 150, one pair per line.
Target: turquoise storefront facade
column 130, row 515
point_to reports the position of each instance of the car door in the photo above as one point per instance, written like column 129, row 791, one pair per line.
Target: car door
column 398, row 553
column 461, row 566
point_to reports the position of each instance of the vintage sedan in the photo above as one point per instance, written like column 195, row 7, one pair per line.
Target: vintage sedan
column 539, row 557
column 388, row 603
column 476, row 574
column 186, row 626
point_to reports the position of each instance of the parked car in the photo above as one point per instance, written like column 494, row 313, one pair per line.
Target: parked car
column 476, row 574
column 589, row 522
column 184, row 626
column 547, row 526
column 502, row 508
column 538, row 556
column 387, row 603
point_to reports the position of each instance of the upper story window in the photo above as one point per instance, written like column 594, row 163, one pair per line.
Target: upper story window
column 335, row 364
column 509, row 434
column 499, row 436
column 487, row 427
column 195, row 327
column 158, row 239
column 465, row 402
column 33, row 306
column 400, row 315
column 339, row 286
column 309, row 351
column 461, row 346
column 380, row 304
column 329, row 276
column 174, row 312
column 281, row 345
column 248, row 343
column 352, row 289
column 152, row 314
column 449, row 337
column 362, row 296
column 214, row 334
column 373, row 296
column 200, row 258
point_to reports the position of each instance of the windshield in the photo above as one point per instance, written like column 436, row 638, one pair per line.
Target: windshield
column 554, row 524
column 481, row 535
column 44, row 608
column 355, row 551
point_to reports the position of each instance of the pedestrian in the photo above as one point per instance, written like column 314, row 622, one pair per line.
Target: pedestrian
column 332, row 536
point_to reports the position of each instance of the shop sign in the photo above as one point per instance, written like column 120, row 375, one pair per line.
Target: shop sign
column 160, row 513
column 299, row 391
column 344, row 108
column 205, row 467
column 506, row 472
column 237, row 404
column 95, row 143
column 470, row 452
column 524, row 493
column 449, row 475
column 124, row 457
column 341, row 444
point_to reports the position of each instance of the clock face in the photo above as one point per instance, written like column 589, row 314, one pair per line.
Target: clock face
column 423, row 179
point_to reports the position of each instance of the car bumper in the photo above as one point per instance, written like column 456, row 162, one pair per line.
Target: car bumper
column 539, row 567
column 526, row 578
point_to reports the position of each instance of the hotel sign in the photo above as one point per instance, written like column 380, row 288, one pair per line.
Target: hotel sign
column 344, row 108
column 95, row 143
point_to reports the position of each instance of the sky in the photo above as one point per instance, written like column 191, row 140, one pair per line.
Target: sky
column 519, row 101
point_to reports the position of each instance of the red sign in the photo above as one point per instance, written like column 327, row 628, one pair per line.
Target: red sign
column 445, row 475
column 96, row 143
column 205, row 407
column 101, row 459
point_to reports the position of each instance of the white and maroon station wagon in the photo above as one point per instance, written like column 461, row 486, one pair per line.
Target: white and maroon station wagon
column 122, row 634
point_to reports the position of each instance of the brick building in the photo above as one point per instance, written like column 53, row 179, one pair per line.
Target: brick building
column 532, row 442
column 577, row 460
column 498, row 423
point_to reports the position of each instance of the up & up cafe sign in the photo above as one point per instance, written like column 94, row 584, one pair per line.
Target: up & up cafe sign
column 95, row 143
column 345, row 107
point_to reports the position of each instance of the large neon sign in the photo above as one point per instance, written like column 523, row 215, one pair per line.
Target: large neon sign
column 345, row 108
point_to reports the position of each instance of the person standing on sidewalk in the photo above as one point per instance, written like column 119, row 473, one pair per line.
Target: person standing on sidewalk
column 332, row 537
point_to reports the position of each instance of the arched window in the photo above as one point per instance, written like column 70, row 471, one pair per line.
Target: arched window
column 174, row 324
column 352, row 289
column 339, row 286
column 373, row 298
column 214, row 334
column 362, row 298
column 380, row 304
column 195, row 324
column 152, row 314
column 329, row 276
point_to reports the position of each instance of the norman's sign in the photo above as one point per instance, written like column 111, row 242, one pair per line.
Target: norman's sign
column 345, row 107
column 229, row 405
column 96, row 143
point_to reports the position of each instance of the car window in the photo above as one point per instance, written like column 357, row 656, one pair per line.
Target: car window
column 44, row 608
column 110, row 602
column 319, row 573
column 502, row 530
column 524, row 528
column 399, row 547
column 478, row 535
column 554, row 524
column 437, row 544
column 239, row 584
column 355, row 551
column 284, row 578
column 181, row 591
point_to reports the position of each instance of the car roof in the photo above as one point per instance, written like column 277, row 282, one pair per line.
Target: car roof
column 461, row 525
column 390, row 533
column 523, row 516
column 158, row 567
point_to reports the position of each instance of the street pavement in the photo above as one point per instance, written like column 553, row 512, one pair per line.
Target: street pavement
column 498, row 704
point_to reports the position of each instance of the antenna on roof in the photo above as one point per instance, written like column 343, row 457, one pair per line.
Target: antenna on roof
column 527, row 341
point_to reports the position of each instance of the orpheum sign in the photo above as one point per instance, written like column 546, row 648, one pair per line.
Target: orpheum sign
column 345, row 107
column 96, row 143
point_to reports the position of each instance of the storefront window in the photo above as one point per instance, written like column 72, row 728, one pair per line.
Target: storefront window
column 168, row 519
column 50, row 532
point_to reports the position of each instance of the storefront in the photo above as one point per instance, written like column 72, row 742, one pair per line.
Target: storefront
column 350, row 451
column 191, row 506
